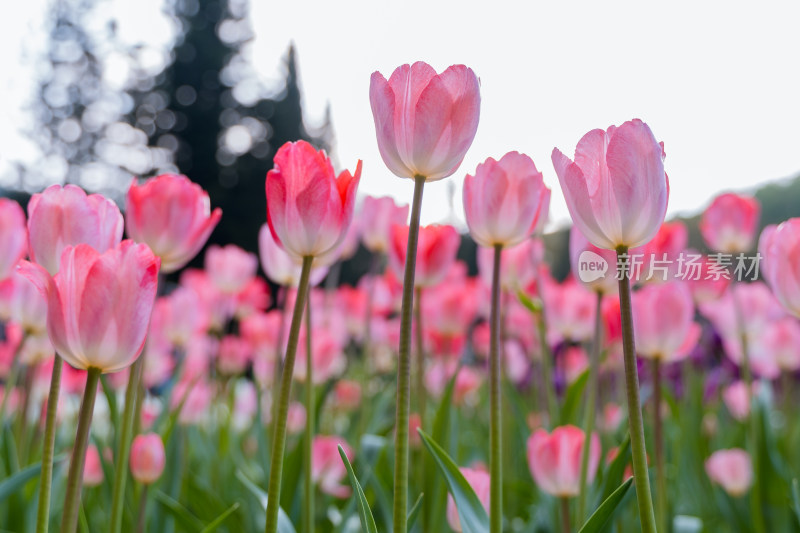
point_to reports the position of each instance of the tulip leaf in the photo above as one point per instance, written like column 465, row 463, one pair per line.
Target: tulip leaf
column 15, row 482
column 414, row 512
column 573, row 399
column 364, row 512
column 214, row 524
column 612, row 476
column 434, row 487
column 531, row 304
column 471, row 513
column 284, row 524
column 603, row 514
column 183, row 515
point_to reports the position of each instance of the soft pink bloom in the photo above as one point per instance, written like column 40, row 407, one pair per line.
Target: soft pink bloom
column 450, row 307
column 519, row 264
column 612, row 417
column 99, row 304
column 13, row 236
column 780, row 248
column 661, row 257
column 663, row 323
column 172, row 215
column 479, row 480
column 196, row 396
column 245, row 404
column 309, row 209
column 732, row 470
column 151, row 410
column 278, row 266
column 781, row 340
column 436, row 252
column 92, row 467
column 555, row 459
column 575, row 362
column 230, row 268
column 502, row 201
column 327, row 358
column 9, row 344
column 254, row 297
column 468, row 382
column 66, row 216
column 730, row 223
column 515, row 361
column 180, row 316
column 737, row 399
column 36, row 348
column 616, row 189
column 147, row 458
column 378, row 215
column 588, row 268
column 26, row 305
column 705, row 276
column 234, row 355
column 425, row 122
column 347, row 394
column 296, row 418
column 327, row 468
column 569, row 310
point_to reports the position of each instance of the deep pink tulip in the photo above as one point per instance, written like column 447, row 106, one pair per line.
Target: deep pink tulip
column 230, row 268
column 147, row 458
column 730, row 223
column 327, row 468
column 479, row 481
column 732, row 470
column 594, row 267
column 616, row 189
column 172, row 215
column 663, row 324
column 279, row 266
column 13, row 236
column 555, row 459
column 425, row 122
column 780, row 248
column 436, row 252
column 309, row 209
column 503, row 200
column 378, row 215
column 662, row 255
column 65, row 216
column 92, row 467
column 99, row 304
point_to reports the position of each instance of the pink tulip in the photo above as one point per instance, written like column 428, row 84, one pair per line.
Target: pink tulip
column 515, row 361
column 781, row 340
column 612, row 417
column 26, row 305
column 730, row 223
column 518, row 266
column 737, row 399
column 436, row 252
column 9, row 344
column 663, row 324
column 502, row 201
column 230, row 268
column 378, row 215
column 587, row 262
column 196, row 397
column 327, row 359
column 279, row 266
column 327, row 468
column 309, row 209
column 347, row 394
column 234, row 355
column 575, row 362
column 569, row 311
column 479, row 481
column 555, row 459
column 172, row 215
column 295, row 418
column 705, row 282
column 99, row 304
column 616, row 189
column 780, row 248
column 732, row 470
column 92, row 467
column 661, row 256
column 147, row 458
column 66, row 216
column 13, row 236
column 425, row 122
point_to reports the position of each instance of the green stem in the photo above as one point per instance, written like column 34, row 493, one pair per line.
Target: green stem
column 282, row 409
column 420, row 359
column 308, row 502
column 8, row 388
column 547, row 370
column 636, row 426
column 658, row 435
column 283, row 297
column 141, row 520
column 591, row 401
column 564, row 501
column 48, row 448
column 400, row 507
column 124, row 446
column 495, row 404
column 69, row 518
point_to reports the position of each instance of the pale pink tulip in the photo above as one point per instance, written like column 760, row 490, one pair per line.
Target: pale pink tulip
column 663, row 324
column 612, row 417
column 327, row 468
column 737, row 399
column 147, row 458
column 27, row 306
column 730, row 223
column 479, row 481
column 92, row 467
column 780, row 247
column 732, row 470
column 436, row 252
column 66, row 216
column 616, row 189
column 230, row 268
column 569, row 311
column 378, row 215
column 309, row 209
column 425, row 122
column 555, row 459
column 502, row 201
column 327, row 359
column 575, row 362
column 295, row 418
column 234, row 355
column 519, row 264
column 347, row 394
column 99, row 304
column 279, row 266
column 13, row 236
column 706, row 280
column 781, row 339
column 172, row 215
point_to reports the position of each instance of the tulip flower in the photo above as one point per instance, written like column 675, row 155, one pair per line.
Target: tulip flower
column 13, row 236
column 479, row 481
column 230, row 268
column 780, row 248
column 737, row 399
column 278, row 266
column 665, row 329
column 92, row 467
column 172, row 216
column 732, row 470
column 327, row 469
column 730, row 223
column 661, row 256
column 378, row 216
column 519, row 264
column 147, row 458
column 436, row 252
column 425, row 122
column 555, row 459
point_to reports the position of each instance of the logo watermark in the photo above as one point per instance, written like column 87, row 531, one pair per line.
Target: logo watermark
column 685, row 266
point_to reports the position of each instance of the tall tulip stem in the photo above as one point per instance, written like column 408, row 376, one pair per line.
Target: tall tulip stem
column 547, row 369
column 658, row 435
column 69, row 518
column 591, row 400
column 308, row 501
column 124, row 445
column 636, row 426
column 43, row 512
column 495, row 404
column 279, row 433
column 400, row 507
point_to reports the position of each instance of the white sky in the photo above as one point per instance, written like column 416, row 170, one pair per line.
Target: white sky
column 718, row 82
